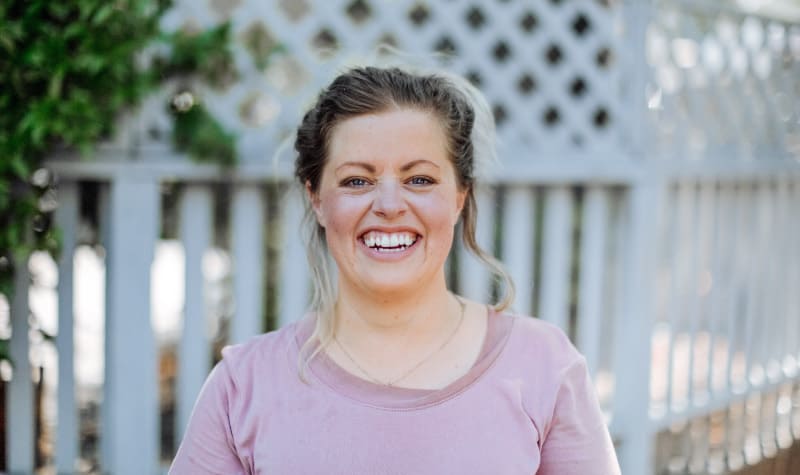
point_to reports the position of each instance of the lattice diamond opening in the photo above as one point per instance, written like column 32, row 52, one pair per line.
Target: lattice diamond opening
column 500, row 114
column 446, row 46
column 554, row 55
column 260, row 43
column 295, row 10
column 529, row 22
column 578, row 87
column 224, row 8
column 359, row 11
column 604, row 58
column 551, row 116
column 501, row 51
column 475, row 18
column 325, row 43
column 526, row 84
column 419, row 15
column 581, row 25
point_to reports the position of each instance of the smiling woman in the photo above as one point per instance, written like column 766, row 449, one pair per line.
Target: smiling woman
column 391, row 372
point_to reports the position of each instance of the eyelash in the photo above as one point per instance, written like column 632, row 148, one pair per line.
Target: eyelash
column 428, row 180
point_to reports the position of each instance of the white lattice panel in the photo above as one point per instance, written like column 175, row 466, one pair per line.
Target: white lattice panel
column 549, row 68
column 724, row 84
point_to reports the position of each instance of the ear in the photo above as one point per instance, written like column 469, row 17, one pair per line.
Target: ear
column 313, row 198
column 461, row 198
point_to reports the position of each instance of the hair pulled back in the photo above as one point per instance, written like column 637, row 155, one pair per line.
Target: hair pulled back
column 372, row 90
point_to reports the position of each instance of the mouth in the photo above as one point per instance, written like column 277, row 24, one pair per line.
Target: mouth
column 389, row 242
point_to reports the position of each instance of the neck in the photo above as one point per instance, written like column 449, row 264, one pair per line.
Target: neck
column 364, row 316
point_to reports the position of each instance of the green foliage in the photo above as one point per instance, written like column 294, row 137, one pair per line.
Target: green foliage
column 197, row 133
column 204, row 54
column 67, row 69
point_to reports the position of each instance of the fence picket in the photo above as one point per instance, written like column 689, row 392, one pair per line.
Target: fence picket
column 475, row 281
column 294, row 270
column 196, row 230
column 771, row 319
column 519, row 243
column 712, row 311
column 792, row 266
column 555, row 256
column 678, row 372
column 700, row 354
column 247, row 235
column 592, row 259
column 67, row 424
column 755, row 332
column 19, row 400
column 130, row 425
column 727, row 241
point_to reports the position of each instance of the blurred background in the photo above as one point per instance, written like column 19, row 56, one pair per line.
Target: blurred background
column 645, row 199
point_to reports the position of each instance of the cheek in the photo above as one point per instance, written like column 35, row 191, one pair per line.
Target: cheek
column 440, row 214
column 341, row 215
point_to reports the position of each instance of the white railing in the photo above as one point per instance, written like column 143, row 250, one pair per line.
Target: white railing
column 640, row 206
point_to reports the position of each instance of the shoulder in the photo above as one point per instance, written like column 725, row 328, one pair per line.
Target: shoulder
column 541, row 358
column 539, row 342
column 259, row 354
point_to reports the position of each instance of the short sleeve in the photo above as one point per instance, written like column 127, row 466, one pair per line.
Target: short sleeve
column 577, row 441
column 208, row 444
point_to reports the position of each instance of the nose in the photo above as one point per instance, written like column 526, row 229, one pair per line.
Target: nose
column 388, row 202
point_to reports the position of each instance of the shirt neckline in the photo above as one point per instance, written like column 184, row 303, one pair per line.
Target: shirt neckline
column 368, row 393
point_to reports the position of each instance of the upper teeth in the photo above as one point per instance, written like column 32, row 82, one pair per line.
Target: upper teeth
column 376, row 239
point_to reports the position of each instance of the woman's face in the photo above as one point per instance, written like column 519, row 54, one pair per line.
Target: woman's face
column 388, row 200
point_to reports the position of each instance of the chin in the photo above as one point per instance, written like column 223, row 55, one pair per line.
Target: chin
column 392, row 283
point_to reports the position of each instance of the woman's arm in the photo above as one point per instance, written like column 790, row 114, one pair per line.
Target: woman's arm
column 208, row 445
column 577, row 441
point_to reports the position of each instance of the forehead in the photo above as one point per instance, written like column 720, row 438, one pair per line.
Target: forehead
column 395, row 135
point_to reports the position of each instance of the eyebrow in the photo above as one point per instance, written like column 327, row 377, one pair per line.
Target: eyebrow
column 371, row 168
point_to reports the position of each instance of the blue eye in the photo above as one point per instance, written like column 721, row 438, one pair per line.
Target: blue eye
column 421, row 180
column 355, row 182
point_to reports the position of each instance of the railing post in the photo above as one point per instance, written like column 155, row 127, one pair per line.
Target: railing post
column 19, row 402
column 130, row 427
column 634, row 327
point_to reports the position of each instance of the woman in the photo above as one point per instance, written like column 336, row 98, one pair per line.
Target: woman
column 392, row 373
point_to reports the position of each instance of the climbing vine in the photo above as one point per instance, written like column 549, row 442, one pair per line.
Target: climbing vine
column 67, row 70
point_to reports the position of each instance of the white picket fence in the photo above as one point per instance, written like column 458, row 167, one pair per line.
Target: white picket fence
column 645, row 202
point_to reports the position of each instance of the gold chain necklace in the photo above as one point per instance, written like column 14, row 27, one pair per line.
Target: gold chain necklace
column 396, row 380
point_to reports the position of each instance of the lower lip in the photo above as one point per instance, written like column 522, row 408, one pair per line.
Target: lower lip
column 389, row 255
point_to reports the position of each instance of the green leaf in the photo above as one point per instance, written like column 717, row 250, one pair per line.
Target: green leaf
column 20, row 168
column 103, row 13
column 54, row 89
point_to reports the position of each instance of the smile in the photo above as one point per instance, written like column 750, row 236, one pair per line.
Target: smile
column 389, row 242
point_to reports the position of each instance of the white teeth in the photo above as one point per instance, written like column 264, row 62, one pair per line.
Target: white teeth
column 389, row 241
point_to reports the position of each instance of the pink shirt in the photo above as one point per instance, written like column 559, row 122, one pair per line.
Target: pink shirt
column 526, row 407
